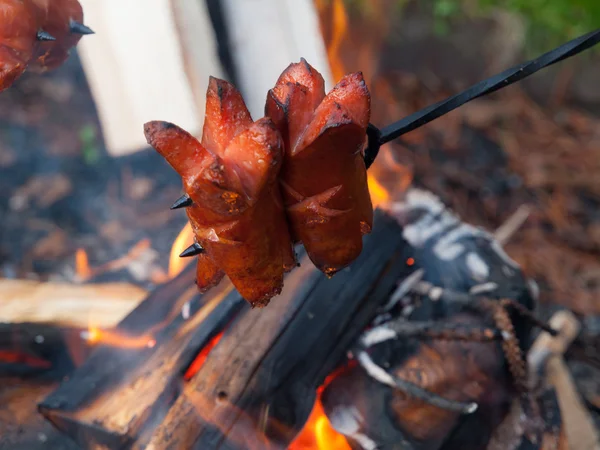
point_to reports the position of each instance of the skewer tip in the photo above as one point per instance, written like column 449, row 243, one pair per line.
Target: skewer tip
column 182, row 202
column 192, row 250
column 79, row 28
column 44, row 36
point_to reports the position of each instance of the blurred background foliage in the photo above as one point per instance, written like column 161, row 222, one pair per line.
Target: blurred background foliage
column 548, row 22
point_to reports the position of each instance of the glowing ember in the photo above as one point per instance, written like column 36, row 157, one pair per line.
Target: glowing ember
column 20, row 358
column 410, row 262
column 82, row 265
column 199, row 361
column 112, row 338
column 183, row 241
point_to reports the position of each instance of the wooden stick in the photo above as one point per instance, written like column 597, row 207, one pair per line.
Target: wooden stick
column 268, row 365
column 548, row 352
column 78, row 306
column 512, row 224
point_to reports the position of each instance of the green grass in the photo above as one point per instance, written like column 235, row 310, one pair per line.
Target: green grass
column 89, row 145
column 549, row 22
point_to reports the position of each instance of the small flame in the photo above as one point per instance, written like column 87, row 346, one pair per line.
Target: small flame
column 182, row 241
column 379, row 194
column 318, row 434
column 340, row 29
column 113, row 338
column 82, row 265
column 84, row 271
column 199, row 361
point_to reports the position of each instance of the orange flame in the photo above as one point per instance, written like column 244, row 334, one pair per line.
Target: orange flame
column 182, row 241
column 340, row 28
column 113, row 338
column 318, row 434
column 82, row 265
column 84, row 271
column 379, row 194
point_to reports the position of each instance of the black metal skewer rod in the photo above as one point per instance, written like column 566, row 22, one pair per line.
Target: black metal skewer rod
column 377, row 137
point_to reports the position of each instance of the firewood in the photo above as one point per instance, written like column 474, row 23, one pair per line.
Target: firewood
column 161, row 54
column 78, row 306
column 289, row 29
column 268, row 365
column 433, row 367
column 120, row 389
column 546, row 355
column 30, row 349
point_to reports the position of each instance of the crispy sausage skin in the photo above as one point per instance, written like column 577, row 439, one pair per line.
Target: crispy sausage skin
column 18, row 28
column 324, row 179
column 21, row 45
column 57, row 17
column 231, row 176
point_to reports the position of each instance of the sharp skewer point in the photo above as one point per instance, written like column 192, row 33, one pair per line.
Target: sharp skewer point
column 182, row 202
column 79, row 28
column 192, row 250
column 44, row 36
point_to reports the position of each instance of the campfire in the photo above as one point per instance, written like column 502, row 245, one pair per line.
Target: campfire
column 427, row 339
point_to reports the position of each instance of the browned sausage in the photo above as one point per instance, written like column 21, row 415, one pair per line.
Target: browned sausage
column 18, row 28
column 324, row 179
column 37, row 34
column 231, row 177
column 58, row 17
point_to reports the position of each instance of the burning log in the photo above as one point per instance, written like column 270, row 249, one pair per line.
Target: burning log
column 258, row 383
column 38, row 337
column 29, row 349
column 412, row 393
column 130, row 380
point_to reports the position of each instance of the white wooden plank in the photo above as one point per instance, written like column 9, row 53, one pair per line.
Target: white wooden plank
column 265, row 37
column 136, row 69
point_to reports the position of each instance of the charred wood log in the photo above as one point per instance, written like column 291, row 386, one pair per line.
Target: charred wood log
column 128, row 385
column 34, row 349
column 21, row 427
column 453, row 335
column 37, row 337
column 258, row 385
column 264, row 371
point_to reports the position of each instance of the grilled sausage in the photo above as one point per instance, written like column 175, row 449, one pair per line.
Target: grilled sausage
column 324, row 178
column 231, row 176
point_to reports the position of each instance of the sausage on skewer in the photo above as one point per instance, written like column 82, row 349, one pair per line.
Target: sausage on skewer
column 324, row 178
column 231, row 177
